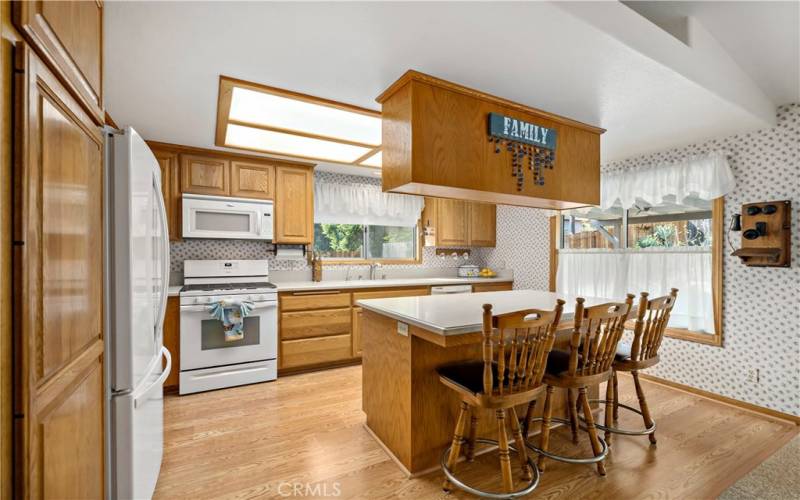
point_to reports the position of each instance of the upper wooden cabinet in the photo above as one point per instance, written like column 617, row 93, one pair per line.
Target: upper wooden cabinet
column 170, row 188
column 482, row 224
column 460, row 223
column 205, row 175
column 69, row 35
column 452, row 226
column 294, row 205
column 252, row 180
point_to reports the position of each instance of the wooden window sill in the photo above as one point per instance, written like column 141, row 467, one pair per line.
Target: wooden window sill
column 700, row 338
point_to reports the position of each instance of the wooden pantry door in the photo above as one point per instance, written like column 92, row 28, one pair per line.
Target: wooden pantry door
column 58, row 286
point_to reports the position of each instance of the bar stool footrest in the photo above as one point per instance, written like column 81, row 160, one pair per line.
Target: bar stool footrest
column 529, row 487
column 570, row 460
column 616, row 430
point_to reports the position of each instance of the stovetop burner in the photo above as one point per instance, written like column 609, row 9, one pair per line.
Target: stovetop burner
column 211, row 287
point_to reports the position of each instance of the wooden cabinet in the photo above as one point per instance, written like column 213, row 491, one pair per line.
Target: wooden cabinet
column 170, row 189
column 205, row 175
column 70, row 35
column 482, row 220
column 452, row 226
column 314, row 328
column 294, row 205
column 492, row 287
column 358, row 313
column 172, row 341
column 58, row 280
column 380, row 294
column 252, row 180
column 460, row 223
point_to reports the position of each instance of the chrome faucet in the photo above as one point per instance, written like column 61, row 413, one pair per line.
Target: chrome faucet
column 347, row 276
column 372, row 268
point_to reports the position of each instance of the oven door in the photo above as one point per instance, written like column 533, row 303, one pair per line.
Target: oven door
column 203, row 342
column 229, row 218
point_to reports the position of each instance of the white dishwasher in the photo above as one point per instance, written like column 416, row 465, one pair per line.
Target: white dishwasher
column 450, row 289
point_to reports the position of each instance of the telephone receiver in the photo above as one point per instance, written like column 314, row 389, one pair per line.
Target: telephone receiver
column 752, row 234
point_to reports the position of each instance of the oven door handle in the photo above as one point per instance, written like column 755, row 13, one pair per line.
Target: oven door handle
column 204, row 307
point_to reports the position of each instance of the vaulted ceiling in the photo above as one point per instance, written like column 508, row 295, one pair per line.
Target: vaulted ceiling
column 654, row 76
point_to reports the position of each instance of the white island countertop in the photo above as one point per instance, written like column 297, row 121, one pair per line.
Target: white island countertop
column 463, row 313
column 305, row 286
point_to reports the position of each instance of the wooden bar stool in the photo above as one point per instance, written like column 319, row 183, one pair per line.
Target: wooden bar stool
column 593, row 345
column 651, row 322
column 515, row 350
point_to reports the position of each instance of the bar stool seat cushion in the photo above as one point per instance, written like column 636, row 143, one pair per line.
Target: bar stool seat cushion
column 469, row 376
column 557, row 362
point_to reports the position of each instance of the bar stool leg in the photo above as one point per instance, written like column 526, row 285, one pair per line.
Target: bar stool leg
column 609, row 407
column 616, row 397
column 648, row 421
column 473, row 429
column 526, row 426
column 591, row 429
column 544, row 436
column 572, row 410
column 458, row 439
column 520, row 441
column 505, row 454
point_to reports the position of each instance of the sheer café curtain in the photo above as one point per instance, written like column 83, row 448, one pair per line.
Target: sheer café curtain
column 612, row 273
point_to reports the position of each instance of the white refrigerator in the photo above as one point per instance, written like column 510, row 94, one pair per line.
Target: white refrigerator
column 137, row 251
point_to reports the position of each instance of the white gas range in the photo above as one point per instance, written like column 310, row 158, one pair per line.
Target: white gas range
column 208, row 361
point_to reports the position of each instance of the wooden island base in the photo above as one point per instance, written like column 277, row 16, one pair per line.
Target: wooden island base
column 408, row 410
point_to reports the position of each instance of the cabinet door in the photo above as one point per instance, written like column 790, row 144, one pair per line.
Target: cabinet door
column 452, row 229
column 170, row 189
column 294, row 205
column 58, row 286
column 482, row 224
column 357, row 314
column 205, row 175
column 172, row 341
column 71, row 36
column 252, row 180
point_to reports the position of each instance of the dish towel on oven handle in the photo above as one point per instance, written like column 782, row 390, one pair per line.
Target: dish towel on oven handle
column 232, row 314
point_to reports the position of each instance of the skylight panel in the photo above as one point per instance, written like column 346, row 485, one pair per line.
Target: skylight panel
column 292, row 145
column 375, row 160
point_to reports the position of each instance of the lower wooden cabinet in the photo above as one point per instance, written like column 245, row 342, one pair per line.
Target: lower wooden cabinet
column 379, row 294
column 492, row 287
column 357, row 314
column 322, row 323
column 172, row 341
column 315, row 351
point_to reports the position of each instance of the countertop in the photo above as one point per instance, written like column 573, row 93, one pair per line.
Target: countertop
column 459, row 314
column 303, row 286
column 174, row 290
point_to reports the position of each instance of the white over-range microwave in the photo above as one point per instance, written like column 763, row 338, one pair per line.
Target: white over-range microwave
column 229, row 218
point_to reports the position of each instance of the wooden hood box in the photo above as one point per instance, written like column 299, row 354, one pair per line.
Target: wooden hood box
column 436, row 142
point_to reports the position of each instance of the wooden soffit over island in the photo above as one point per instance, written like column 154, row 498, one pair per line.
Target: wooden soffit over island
column 445, row 140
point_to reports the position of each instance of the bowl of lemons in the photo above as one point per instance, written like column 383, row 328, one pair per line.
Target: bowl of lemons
column 487, row 273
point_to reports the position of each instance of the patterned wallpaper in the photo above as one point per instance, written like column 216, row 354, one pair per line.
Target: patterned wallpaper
column 523, row 244
column 760, row 305
column 247, row 249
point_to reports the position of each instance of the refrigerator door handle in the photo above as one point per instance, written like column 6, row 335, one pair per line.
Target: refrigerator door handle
column 160, row 380
column 162, row 311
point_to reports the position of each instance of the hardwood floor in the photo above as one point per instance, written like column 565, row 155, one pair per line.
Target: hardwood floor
column 303, row 435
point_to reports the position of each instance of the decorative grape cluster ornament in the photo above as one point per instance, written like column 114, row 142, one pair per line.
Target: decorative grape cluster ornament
column 537, row 159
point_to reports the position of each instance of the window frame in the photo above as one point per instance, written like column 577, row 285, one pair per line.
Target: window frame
column 717, row 247
column 417, row 259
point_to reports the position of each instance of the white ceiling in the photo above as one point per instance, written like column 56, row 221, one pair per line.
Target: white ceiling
column 603, row 64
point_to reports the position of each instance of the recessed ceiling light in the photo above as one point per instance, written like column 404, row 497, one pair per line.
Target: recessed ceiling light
column 272, row 120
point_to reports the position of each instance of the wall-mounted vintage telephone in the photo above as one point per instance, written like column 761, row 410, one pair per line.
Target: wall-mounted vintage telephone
column 767, row 235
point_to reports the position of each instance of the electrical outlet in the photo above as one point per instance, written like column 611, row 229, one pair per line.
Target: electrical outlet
column 754, row 375
column 402, row 328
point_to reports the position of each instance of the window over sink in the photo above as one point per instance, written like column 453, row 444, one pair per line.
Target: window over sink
column 366, row 242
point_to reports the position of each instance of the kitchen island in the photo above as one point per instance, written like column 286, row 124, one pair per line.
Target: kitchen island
column 409, row 412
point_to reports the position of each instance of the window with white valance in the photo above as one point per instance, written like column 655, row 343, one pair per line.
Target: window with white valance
column 356, row 222
column 658, row 227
